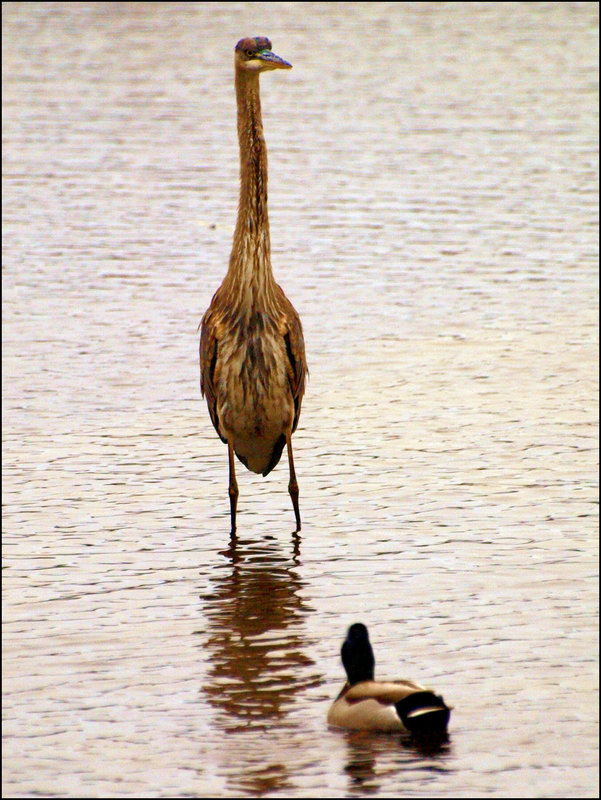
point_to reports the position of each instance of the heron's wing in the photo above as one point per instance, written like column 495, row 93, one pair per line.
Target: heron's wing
column 292, row 332
column 208, row 360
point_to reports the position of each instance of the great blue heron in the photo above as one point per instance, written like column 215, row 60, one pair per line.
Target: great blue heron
column 252, row 352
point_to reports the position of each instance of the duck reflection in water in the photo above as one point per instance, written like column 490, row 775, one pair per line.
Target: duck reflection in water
column 361, row 766
column 371, row 756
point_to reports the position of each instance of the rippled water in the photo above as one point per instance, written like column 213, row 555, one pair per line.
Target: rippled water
column 433, row 201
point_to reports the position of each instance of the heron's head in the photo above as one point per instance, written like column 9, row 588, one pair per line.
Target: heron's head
column 255, row 55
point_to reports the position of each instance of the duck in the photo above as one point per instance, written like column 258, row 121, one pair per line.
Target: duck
column 370, row 705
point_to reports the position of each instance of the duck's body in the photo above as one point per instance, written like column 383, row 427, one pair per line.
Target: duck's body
column 367, row 704
column 387, row 706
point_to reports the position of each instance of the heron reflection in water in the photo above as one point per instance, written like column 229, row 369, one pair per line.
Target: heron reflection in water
column 253, row 641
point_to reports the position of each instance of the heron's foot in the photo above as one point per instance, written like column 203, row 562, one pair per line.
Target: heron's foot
column 293, row 489
column 296, row 541
column 296, row 513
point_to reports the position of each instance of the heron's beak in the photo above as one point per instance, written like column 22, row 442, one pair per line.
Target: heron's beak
column 272, row 61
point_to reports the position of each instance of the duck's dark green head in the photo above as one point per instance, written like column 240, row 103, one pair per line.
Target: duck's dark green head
column 357, row 656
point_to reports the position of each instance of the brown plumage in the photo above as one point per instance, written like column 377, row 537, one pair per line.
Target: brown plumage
column 252, row 352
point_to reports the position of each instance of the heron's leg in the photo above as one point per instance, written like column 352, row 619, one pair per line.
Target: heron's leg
column 233, row 487
column 293, row 485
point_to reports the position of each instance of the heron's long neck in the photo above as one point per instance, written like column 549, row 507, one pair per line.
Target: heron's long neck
column 250, row 262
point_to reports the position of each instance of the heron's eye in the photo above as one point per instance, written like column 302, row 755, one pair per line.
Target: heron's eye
column 250, row 53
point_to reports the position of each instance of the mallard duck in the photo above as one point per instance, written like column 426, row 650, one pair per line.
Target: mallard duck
column 367, row 704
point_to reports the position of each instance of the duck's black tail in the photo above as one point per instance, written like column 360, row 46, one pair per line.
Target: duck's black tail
column 424, row 714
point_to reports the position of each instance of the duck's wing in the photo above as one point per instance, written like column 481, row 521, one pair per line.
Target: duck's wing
column 383, row 692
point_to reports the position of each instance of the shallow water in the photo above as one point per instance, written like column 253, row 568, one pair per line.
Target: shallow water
column 433, row 203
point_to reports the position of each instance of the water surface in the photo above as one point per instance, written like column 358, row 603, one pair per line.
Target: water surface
column 433, row 204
